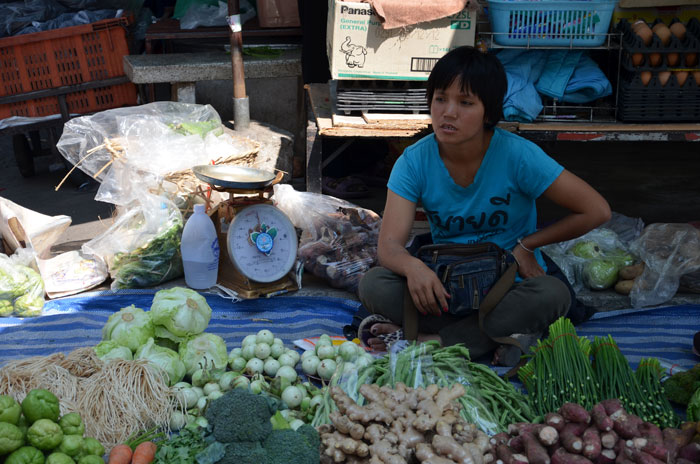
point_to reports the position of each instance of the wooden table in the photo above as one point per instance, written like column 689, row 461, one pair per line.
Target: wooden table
column 324, row 121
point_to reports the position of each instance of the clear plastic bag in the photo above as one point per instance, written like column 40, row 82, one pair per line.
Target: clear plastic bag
column 135, row 150
column 668, row 251
column 591, row 260
column 339, row 239
column 142, row 247
column 21, row 287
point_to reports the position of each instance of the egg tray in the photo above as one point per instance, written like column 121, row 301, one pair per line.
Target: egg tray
column 632, row 81
column 632, row 43
column 654, row 102
column 663, row 65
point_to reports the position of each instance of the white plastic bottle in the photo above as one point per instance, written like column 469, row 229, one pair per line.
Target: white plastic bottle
column 200, row 250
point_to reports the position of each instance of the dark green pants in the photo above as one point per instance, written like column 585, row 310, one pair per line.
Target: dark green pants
column 530, row 306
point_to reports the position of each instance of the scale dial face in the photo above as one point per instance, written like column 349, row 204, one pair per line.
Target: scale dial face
column 262, row 243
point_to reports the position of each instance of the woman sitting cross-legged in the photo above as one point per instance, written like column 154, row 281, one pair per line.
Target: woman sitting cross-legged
column 477, row 183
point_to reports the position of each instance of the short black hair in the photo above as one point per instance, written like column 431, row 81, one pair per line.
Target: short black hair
column 479, row 72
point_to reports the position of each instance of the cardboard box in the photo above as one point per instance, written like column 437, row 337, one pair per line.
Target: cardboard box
column 359, row 48
column 646, row 3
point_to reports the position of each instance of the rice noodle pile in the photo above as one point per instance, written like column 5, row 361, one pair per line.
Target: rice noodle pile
column 124, row 397
column 115, row 399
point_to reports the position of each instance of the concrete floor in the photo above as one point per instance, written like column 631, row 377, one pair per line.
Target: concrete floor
column 656, row 182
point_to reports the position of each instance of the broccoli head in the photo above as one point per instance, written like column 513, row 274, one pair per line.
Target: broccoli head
column 287, row 446
column 240, row 416
column 681, row 386
column 244, row 452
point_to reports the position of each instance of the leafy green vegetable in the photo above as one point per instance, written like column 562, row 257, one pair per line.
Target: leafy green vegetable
column 165, row 358
column 130, row 327
column 109, row 349
column 200, row 128
column 188, row 447
column 182, row 311
column 156, row 262
column 681, row 386
column 205, row 350
column 693, row 411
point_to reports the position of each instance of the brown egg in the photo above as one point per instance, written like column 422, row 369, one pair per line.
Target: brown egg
column 696, row 76
column 672, row 59
column 691, row 59
column 643, row 31
column 664, row 76
column 681, row 77
column 663, row 32
column 655, row 59
column 637, row 59
column 678, row 29
column 645, row 77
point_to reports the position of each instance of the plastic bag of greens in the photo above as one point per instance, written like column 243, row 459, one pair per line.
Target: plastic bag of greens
column 592, row 260
column 21, row 288
column 142, row 247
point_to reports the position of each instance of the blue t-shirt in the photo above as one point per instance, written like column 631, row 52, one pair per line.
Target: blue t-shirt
column 498, row 206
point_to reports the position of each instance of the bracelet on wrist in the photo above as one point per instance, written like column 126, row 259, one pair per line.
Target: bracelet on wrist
column 520, row 242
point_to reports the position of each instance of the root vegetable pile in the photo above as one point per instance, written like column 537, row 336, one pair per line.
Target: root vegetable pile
column 605, row 434
column 399, row 424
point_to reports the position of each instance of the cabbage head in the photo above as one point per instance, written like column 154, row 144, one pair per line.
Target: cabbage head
column 130, row 327
column 165, row 358
column 599, row 274
column 205, row 350
column 182, row 311
column 29, row 305
column 109, row 349
column 6, row 308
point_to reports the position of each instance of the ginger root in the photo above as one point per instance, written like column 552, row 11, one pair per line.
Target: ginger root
column 400, row 424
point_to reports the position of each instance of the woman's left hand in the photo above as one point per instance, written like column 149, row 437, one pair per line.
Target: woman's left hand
column 527, row 263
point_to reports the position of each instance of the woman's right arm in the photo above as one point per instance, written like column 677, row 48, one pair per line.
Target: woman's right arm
column 426, row 290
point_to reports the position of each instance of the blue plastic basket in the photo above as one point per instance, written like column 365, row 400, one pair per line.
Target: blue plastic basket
column 550, row 22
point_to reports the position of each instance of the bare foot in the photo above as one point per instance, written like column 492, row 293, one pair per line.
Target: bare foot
column 383, row 328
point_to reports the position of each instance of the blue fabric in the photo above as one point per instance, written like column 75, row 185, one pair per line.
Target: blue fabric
column 75, row 322
column 499, row 206
column 567, row 75
column 665, row 333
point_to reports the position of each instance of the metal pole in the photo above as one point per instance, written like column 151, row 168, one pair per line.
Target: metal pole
column 241, row 109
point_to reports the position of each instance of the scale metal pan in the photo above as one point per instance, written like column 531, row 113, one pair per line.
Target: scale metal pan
column 236, row 177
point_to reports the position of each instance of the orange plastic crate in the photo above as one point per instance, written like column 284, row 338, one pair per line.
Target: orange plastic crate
column 63, row 57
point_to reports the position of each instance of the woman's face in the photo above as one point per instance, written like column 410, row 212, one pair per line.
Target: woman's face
column 458, row 117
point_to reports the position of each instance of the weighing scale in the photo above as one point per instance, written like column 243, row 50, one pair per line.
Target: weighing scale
column 261, row 243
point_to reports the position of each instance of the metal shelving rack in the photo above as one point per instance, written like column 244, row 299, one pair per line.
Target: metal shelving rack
column 554, row 111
